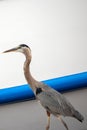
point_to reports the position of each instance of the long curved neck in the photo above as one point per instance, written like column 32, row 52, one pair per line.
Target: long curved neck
column 31, row 81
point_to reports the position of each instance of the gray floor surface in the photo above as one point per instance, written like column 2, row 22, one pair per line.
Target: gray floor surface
column 30, row 115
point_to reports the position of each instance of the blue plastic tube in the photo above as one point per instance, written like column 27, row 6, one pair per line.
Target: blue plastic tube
column 61, row 84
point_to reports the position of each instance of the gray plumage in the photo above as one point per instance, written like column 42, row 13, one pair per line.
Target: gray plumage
column 54, row 102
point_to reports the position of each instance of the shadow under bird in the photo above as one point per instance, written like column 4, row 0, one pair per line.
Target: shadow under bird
column 54, row 102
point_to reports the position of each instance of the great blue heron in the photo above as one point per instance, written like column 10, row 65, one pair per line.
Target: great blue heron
column 54, row 102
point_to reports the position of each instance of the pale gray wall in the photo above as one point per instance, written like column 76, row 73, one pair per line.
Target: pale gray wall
column 56, row 31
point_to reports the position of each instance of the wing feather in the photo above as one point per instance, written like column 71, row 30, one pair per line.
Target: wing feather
column 55, row 102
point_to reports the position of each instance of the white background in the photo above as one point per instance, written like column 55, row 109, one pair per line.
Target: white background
column 56, row 31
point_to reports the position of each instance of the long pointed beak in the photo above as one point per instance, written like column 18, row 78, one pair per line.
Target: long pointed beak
column 11, row 50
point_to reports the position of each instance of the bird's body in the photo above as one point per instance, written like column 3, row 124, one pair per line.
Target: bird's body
column 54, row 102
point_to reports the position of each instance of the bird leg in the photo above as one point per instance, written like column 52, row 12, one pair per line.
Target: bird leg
column 48, row 122
column 63, row 122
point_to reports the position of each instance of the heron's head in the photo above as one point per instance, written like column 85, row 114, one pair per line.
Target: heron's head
column 23, row 48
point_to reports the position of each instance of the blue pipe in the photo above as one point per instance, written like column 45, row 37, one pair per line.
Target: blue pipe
column 61, row 84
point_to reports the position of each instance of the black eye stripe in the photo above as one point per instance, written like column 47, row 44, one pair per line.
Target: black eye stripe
column 24, row 45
